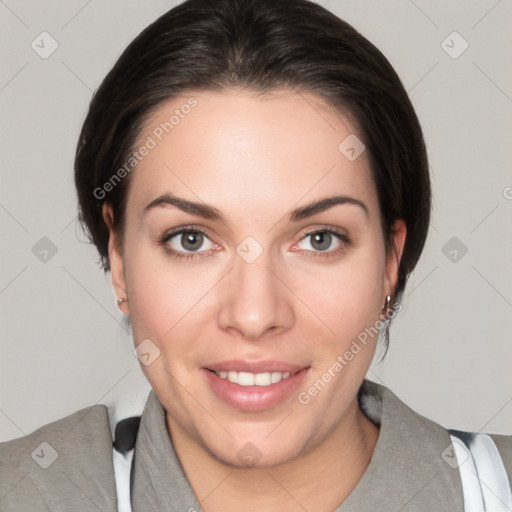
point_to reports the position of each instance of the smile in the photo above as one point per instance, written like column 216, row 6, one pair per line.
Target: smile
column 254, row 390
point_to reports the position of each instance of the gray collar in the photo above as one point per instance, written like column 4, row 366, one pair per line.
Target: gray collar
column 406, row 472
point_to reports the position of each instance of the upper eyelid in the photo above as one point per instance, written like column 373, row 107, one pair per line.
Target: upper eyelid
column 201, row 229
column 185, row 229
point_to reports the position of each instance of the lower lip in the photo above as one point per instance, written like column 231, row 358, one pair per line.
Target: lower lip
column 254, row 398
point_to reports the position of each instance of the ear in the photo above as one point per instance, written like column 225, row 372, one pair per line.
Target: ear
column 116, row 259
column 398, row 235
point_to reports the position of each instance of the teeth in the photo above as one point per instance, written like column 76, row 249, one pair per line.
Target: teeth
column 253, row 379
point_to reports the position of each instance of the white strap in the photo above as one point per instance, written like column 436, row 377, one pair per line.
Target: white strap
column 122, row 468
column 491, row 473
column 484, row 480
column 473, row 500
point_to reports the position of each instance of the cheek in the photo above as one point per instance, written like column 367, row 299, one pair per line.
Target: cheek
column 347, row 298
column 156, row 291
column 169, row 299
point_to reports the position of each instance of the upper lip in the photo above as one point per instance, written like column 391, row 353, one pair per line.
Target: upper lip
column 254, row 366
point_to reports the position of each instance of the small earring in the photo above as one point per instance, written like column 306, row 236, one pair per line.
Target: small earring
column 120, row 301
column 386, row 305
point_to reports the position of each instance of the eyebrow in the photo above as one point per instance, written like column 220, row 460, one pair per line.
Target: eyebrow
column 211, row 213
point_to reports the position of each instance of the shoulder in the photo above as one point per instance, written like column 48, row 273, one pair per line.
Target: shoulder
column 414, row 421
column 60, row 466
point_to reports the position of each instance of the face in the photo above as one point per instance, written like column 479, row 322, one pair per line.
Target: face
column 244, row 292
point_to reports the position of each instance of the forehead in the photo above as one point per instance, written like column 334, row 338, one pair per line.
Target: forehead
column 233, row 149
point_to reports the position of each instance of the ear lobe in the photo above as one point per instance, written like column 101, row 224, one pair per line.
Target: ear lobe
column 398, row 236
column 115, row 258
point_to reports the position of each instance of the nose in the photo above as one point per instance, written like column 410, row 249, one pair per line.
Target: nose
column 255, row 300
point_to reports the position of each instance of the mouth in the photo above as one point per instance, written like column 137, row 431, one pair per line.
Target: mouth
column 253, row 386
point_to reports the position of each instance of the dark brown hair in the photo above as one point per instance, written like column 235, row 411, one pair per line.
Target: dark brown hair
column 260, row 45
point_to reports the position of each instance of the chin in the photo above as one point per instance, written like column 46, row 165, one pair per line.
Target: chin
column 249, row 456
column 253, row 452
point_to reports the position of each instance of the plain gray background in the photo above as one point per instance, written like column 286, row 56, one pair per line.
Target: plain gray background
column 63, row 346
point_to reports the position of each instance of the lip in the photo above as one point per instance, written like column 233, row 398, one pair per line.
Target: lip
column 254, row 398
column 239, row 365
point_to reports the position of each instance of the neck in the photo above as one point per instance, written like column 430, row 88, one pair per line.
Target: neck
column 319, row 480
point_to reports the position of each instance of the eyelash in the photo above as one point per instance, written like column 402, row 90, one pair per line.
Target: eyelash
column 346, row 242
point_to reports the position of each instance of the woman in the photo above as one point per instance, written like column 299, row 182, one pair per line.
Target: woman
column 255, row 178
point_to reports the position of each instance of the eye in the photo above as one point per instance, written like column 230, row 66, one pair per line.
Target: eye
column 186, row 243
column 325, row 241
